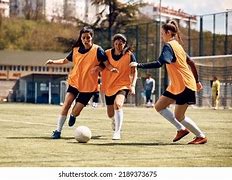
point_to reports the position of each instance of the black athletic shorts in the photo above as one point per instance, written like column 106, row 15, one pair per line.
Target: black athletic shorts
column 81, row 97
column 110, row 99
column 188, row 96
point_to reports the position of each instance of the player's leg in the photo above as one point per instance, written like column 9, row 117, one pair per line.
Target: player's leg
column 190, row 124
column 118, row 113
column 81, row 101
column 161, row 107
column 110, row 109
column 110, row 113
column 69, row 98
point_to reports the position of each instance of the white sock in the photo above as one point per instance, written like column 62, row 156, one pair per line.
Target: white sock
column 167, row 114
column 118, row 115
column 60, row 122
column 191, row 125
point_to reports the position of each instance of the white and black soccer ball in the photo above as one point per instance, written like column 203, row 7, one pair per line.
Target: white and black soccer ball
column 82, row 134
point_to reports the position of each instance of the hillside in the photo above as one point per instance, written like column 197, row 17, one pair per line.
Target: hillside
column 35, row 35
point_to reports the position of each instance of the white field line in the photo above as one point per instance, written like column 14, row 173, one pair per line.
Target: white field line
column 24, row 122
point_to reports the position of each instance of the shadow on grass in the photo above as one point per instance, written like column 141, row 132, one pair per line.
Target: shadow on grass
column 136, row 144
column 118, row 143
column 49, row 138
column 41, row 137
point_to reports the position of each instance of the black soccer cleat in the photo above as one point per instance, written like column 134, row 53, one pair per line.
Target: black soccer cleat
column 56, row 134
column 72, row 120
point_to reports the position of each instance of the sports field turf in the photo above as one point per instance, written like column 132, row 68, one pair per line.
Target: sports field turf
column 146, row 139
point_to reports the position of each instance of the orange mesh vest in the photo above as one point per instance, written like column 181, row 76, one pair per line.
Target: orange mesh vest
column 179, row 73
column 113, row 82
column 80, row 76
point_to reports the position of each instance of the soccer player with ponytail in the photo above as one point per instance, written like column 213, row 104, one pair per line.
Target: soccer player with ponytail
column 184, row 83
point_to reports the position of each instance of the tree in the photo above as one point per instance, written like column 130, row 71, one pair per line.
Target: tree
column 119, row 15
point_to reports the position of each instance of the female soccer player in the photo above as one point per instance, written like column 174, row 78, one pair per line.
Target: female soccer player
column 83, row 79
column 183, row 84
column 116, row 86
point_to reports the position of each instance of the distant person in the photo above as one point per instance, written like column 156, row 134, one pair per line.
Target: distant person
column 82, row 80
column 215, row 92
column 149, row 88
column 183, row 84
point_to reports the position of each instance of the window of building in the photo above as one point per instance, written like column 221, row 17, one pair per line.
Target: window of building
column 43, row 87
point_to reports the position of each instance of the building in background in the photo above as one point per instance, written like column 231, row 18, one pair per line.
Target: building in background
column 153, row 11
column 57, row 10
column 5, row 8
column 25, row 78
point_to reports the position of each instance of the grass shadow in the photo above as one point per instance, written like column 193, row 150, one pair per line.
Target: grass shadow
column 40, row 137
column 136, row 144
column 49, row 138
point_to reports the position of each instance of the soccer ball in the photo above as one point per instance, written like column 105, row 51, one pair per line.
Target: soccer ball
column 82, row 134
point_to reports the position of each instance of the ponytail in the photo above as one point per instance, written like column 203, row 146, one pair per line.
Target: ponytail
column 172, row 26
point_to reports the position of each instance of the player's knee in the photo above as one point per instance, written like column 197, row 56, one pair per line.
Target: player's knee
column 118, row 105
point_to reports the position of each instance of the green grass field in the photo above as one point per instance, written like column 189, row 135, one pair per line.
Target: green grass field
column 146, row 139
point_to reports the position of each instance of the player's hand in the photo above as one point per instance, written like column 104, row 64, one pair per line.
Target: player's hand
column 49, row 62
column 133, row 64
column 132, row 90
column 199, row 86
column 114, row 70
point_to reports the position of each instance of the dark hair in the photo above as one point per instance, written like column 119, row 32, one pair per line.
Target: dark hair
column 172, row 26
column 119, row 36
column 83, row 30
column 124, row 39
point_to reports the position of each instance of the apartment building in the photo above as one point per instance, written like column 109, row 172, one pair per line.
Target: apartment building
column 5, row 8
column 58, row 10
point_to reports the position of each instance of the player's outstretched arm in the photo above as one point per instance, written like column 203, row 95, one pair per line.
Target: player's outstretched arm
column 58, row 61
